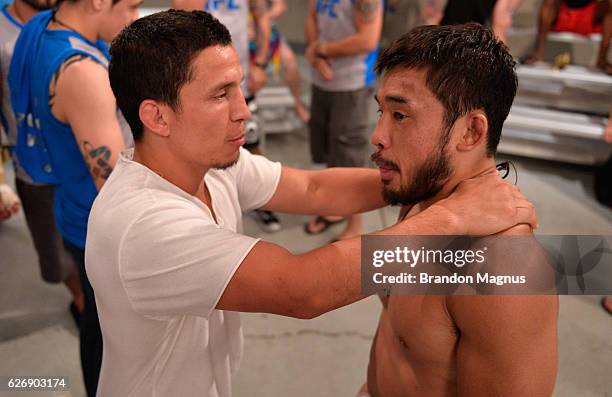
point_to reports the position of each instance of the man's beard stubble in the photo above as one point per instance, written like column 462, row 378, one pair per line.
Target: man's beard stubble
column 428, row 180
column 40, row 5
column 229, row 164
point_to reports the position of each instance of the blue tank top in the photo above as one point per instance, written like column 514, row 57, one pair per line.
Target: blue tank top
column 44, row 143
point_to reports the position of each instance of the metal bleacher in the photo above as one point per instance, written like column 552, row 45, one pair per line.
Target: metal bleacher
column 560, row 114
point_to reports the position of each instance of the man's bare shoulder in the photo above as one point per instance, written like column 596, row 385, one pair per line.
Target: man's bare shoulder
column 80, row 78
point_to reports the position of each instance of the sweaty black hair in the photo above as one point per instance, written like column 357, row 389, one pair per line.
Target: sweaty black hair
column 467, row 69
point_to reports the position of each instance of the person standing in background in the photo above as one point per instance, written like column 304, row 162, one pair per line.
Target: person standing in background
column 582, row 17
column 281, row 55
column 494, row 13
column 65, row 107
column 343, row 39
column 35, row 192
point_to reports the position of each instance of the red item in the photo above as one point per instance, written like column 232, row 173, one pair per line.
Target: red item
column 577, row 20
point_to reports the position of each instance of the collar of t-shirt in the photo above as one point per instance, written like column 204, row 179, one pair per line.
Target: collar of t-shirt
column 158, row 182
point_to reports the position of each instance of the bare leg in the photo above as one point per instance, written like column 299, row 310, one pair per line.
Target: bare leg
column 608, row 130
column 502, row 18
column 605, row 11
column 548, row 15
column 292, row 77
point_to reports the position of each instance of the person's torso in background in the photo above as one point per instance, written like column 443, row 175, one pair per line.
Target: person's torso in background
column 334, row 22
column 234, row 14
column 464, row 11
column 76, row 190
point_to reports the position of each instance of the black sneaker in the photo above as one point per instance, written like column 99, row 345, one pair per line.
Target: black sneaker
column 267, row 220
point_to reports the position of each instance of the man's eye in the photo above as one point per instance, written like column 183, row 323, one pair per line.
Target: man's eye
column 379, row 112
column 399, row 116
column 221, row 96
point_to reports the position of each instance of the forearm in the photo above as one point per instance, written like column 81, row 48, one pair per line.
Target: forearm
column 358, row 43
column 346, row 191
column 311, row 30
column 335, row 270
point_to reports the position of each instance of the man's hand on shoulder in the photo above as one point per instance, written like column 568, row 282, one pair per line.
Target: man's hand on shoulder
column 487, row 205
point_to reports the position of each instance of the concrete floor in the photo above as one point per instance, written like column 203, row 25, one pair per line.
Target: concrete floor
column 326, row 356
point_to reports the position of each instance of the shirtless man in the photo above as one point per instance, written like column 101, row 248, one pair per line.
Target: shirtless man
column 445, row 94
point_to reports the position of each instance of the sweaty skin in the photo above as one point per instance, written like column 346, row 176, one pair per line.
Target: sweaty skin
column 464, row 345
column 453, row 345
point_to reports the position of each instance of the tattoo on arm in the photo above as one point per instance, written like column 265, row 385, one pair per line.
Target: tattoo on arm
column 97, row 159
column 367, row 8
column 52, row 87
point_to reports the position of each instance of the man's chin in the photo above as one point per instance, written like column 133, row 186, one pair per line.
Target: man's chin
column 228, row 164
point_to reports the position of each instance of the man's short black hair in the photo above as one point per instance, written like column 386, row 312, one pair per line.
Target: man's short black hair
column 467, row 69
column 152, row 58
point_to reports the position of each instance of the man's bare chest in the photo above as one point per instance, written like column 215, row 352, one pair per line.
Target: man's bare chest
column 423, row 329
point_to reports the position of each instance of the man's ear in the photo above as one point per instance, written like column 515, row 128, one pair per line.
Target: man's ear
column 154, row 117
column 475, row 132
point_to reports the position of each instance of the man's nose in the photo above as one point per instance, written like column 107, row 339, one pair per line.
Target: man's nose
column 240, row 110
column 380, row 138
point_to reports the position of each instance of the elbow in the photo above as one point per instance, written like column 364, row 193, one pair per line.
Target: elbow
column 282, row 9
column 369, row 46
column 307, row 307
column 306, row 303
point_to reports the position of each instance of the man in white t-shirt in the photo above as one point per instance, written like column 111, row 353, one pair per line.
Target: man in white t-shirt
column 165, row 253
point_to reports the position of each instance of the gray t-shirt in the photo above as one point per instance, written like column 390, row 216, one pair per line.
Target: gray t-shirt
column 234, row 14
column 334, row 22
column 9, row 31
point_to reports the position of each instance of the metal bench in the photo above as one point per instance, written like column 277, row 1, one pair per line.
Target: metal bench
column 559, row 114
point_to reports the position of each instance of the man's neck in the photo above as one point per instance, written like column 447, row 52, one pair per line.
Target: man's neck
column 72, row 16
column 181, row 174
column 21, row 11
column 487, row 166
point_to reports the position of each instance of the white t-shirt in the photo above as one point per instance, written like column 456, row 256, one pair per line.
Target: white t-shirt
column 158, row 264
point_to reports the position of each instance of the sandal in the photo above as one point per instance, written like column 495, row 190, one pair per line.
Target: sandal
column 321, row 220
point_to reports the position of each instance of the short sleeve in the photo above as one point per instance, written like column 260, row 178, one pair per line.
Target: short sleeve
column 175, row 261
column 256, row 180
